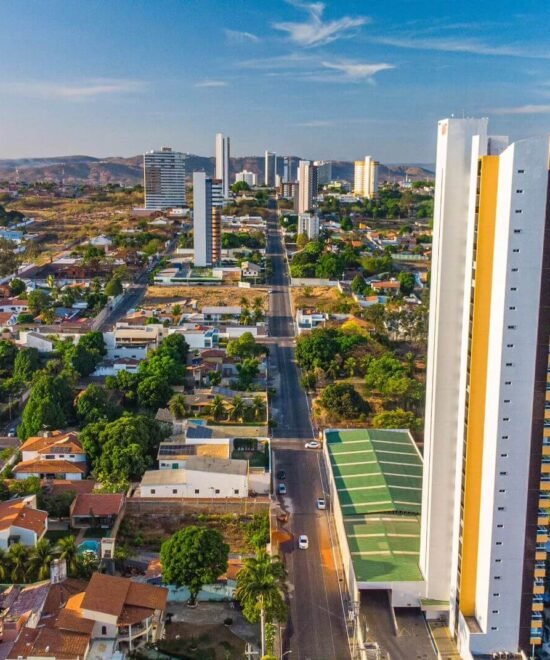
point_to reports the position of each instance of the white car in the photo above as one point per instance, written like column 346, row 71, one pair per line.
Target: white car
column 313, row 444
column 281, row 489
column 321, row 503
column 303, row 542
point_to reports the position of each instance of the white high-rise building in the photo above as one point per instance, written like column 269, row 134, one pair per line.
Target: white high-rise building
column 307, row 186
column 248, row 177
column 270, row 168
column 206, row 222
column 164, row 179
column 486, row 484
column 365, row 179
column 308, row 223
column 222, row 162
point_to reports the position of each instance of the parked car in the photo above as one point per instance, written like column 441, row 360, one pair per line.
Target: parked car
column 281, row 475
column 11, row 432
column 313, row 444
column 303, row 542
column 321, row 503
column 281, row 489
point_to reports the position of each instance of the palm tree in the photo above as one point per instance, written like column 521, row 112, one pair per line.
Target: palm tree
column 244, row 302
column 258, row 407
column 333, row 370
column 176, row 312
column 18, row 556
column 217, row 407
column 237, row 409
column 4, row 565
column 260, row 590
column 68, row 550
column 350, row 365
column 258, row 303
column 246, row 316
column 40, row 558
column 177, row 406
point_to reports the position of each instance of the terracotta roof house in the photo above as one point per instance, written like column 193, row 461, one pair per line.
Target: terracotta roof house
column 21, row 522
column 96, row 509
column 50, row 469
column 52, row 455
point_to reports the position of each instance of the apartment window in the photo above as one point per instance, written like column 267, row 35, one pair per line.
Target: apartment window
column 498, row 561
column 502, row 490
column 103, row 630
column 495, row 611
column 519, row 192
column 515, row 250
column 217, row 491
column 507, row 382
column 153, row 491
column 500, row 508
column 494, row 628
column 497, row 577
column 197, row 491
column 500, row 527
column 498, row 543
column 519, row 211
column 512, row 309
column 521, row 171
column 505, row 419
column 508, row 364
column 514, row 270
column 174, row 491
column 517, row 231
column 504, row 437
column 512, row 327
column 514, row 288
column 504, row 456
column 496, row 595
column 503, row 474
column 236, row 491
column 510, row 345
column 506, row 400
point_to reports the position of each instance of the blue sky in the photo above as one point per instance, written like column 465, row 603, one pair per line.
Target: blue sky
column 338, row 79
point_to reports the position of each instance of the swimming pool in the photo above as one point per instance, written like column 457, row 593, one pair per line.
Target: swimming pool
column 90, row 545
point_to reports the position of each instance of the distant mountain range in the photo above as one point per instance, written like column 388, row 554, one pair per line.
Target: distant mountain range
column 129, row 171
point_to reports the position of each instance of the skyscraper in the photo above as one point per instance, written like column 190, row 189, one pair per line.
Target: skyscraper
column 164, row 179
column 324, row 171
column 222, row 161
column 307, row 186
column 486, row 479
column 206, row 222
column 287, row 169
column 247, row 177
column 365, row 178
column 270, row 168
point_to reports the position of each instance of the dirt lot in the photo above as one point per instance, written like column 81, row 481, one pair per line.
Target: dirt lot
column 205, row 295
column 320, row 298
column 202, row 642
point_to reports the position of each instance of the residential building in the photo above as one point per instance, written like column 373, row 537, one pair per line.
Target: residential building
column 324, row 171
column 206, row 222
column 222, row 162
column 289, row 190
column 365, row 180
column 288, row 169
column 307, row 320
column 21, row 522
column 247, row 177
column 96, row 509
column 53, row 455
column 487, row 440
column 217, row 193
column 164, row 179
column 308, row 223
column 307, row 186
column 270, row 169
column 202, row 477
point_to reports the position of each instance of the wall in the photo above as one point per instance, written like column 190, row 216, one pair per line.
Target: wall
column 27, row 537
column 177, row 507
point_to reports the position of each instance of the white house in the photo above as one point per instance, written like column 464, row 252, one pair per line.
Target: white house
column 307, row 320
column 43, row 343
column 13, row 305
column 250, row 270
column 21, row 522
column 54, row 455
column 202, row 477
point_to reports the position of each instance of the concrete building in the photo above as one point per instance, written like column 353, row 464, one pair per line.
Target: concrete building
column 487, row 436
column 218, row 196
column 164, row 179
column 288, row 169
column 247, row 177
column 307, row 186
column 308, row 223
column 21, row 522
column 270, row 168
column 222, row 162
column 365, row 180
column 324, row 171
column 206, row 222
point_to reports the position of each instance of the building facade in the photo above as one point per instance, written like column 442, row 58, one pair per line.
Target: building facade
column 206, row 222
column 164, row 179
column 223, row 156
column 324, row 171
column 365, row 179
column 308, row 223
column 487, row 464
column 247, row 177
column 307, row 186
column 270, row 168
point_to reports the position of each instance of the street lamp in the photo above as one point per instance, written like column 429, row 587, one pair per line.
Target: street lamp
column 285, row 653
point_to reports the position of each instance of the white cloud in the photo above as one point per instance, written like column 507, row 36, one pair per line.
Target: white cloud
column 541, row 109
column 314, row 31
column 76, row 91
column 358, row 70
column 458, row 45
column 316, row 123
column 238, row 37
column 212, row 83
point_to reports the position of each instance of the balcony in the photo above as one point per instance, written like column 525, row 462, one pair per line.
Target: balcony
column 131, row 633
column 542, row 534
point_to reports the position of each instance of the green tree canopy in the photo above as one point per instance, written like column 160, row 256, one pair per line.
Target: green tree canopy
column 38, row 300
column 94, row 404
column 397, row 419
column 342, row 401
column 193, row 557
column 50, row 405
column 244, row 346
column 407, row 283
column 17, row 286
column 8, row 354
column 114, row 287
column 154, row 392
column 26, row 364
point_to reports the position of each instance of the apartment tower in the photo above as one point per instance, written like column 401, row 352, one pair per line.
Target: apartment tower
column 486, row 488
column 365, row 177
column 206, row 222
column 270, row 169
column 307, row 186
column 164, row 179
column 222, row 162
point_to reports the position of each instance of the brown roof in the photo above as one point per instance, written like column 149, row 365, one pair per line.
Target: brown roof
column 60, row 594
column 19, row 513
column 71, row 619
column 58, row 486
column 100, row 504
column 56, row 438
column 51, row 642
column 53, row 467
column 111, row 595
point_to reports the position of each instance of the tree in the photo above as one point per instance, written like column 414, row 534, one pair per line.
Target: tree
column 68, row 550
column 215, row 377
column 82, row 359
column 248, row 369
column 38, row 301
column 217, row 408
column 94, row 341
column 358, row 284
column 342, row 401
column 177, row 406
column 302, row 240
column 50, row 405
column 397, row 419
column 407, row 283
column 8, row 257
column 8, row 354
column 40, row 558
column 114, row 287
column 57, row 505
column 93, row 404
column 26, row 364
column 164, row 367
column 258, row 407
column 154, row 392
column 17, row 286
column 317, row 349
column 308, row 380
column 4, row 565
column 346, row 223
column 18, row 556
column 238, row 186
column 237, row 409
column 260, row 590
column 244, row 346
column 193, row 557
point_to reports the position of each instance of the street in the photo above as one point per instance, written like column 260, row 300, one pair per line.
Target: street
column 317, row 627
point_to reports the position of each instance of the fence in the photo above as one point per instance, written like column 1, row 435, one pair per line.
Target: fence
column 180, row 506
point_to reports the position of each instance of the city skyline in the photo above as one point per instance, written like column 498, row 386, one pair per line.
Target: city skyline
column 337, row 80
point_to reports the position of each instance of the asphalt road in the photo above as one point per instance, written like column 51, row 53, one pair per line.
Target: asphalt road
column 316, row 629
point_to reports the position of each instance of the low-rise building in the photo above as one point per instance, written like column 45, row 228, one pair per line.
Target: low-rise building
column 21, row 522
column 96, row 509
column 250, row 270
column 307, row 320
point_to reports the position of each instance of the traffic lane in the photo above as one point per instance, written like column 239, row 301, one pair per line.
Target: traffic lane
column 290, row 400
column 316, row 627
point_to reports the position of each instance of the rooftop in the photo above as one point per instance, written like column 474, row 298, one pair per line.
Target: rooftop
column 211, row 464
column 378, row 476
column 18, row 513
column 98, row 504
column 50, row 467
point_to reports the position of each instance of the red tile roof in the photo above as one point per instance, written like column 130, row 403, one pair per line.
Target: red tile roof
column 51, row 467
column 41, row 443
column 18, row 513
column 98, row 504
